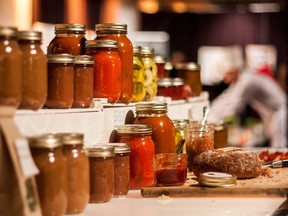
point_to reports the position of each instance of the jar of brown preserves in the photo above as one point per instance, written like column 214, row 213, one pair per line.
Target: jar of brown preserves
column 220, row 134
column 121, row 169
column 10, row 67
column 60, row 81
column 69, row 38
column 83, row 81
column 34, row 70
column 77, row 172
column 101, row 162
column 51, row 181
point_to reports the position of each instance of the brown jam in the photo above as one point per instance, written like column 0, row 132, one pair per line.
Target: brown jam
column 83, row 81
column 77, row 172
column 60, row 81
column 34, row 70
column 52, row 179
column 101, row 161
column 10, row 67
column 121, row 169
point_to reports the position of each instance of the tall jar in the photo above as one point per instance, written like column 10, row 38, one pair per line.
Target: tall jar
column 10, row 68
column 51, row 181
column 121, row 169
column 160, row 62
column 77, row 172
column 141, row 155
column 163, row 131
column 83, row 81
column 60, row 81
column 138, row 75
column 101, row 163
column 151, row 76
column 118, row 32
column 107, row 69
column 69, row 38
column 34, row 70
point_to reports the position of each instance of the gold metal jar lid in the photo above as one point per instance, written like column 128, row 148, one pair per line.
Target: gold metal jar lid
column 165, row 82
column 70, row 27
column 146, row 107
column 71, row 138
column 136, row 49
column 84, row 59
column 60, row 58
column 188, row 66
column 217, row 179
column 120, row 148
column 147, row 51
column 111, row 27
column 8, row 31
column 100, row 151
column 44, row 141
column 178, row 81
column 101, row 43
column 134, row 129
column 29, row 35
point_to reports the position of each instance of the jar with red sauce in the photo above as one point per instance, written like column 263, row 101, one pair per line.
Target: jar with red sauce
column 142, row 151
column 83, row 81
column 118, row 32
column 163, row 131
column 60, row 81
column 69, row 38
column 160, row 62
column 107, row 69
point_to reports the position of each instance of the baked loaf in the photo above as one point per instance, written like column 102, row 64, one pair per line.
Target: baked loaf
column 232, row 160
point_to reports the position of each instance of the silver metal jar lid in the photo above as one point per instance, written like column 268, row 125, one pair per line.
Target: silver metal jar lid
column 188, row 66
column 134, row 129
column 8, row 31
column 151, row 107
column 29, row 35
column 165, row 82
column 101, row 43
column 84, row 59
column 120, row 148
column 70, row 27
column 137, row 49
column 111, row 27
column 100, row 151
column 71, row 138
column 159, row 59
column 147, row 51
column 44, row 141
column 216, row 179
column 178, row 81
column 60, row 58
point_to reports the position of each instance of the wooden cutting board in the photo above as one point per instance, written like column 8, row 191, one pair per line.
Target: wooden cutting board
column 262, row 186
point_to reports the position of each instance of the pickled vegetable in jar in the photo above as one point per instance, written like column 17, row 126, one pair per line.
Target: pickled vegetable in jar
column 138, row 75
column 142, row 152
column 151, row 76
column 180, row 125
column 69, row 38
column 107, row 70
column 163, row 131
column 34, row 70
column 10, row 68
column 118, row 32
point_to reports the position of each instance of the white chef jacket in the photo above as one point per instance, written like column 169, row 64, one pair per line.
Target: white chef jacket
column 264, row 95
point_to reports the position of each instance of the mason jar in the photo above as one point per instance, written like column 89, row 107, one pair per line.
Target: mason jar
column 138, row 75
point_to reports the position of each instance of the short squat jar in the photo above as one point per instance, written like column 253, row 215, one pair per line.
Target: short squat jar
column 77, row 172
column 121, row 169
column 51, row 181
column 60, row 81
column 101, row 162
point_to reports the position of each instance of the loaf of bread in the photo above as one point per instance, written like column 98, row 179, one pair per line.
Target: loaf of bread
column 232, row 160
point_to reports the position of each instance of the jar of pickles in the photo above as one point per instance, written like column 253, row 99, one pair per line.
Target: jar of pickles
column 151, row 76
column 51, row 181
column 60, row 81
column 34, row 70
column 83, row 81
column 69, row 38
column 180, row 125
column 138, row 75
column 138, row 136
column 163, row 131
column 118, row 32
column 10, row 67
column 77, row 172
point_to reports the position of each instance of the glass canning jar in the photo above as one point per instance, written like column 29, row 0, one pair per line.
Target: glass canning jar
column 60, row 81
column 160, row 62
column 34, row 70
column 163, row 131
column 138, row 75
column 10, row 67
column 118, row 32
column 141, row 155
column 69, row 38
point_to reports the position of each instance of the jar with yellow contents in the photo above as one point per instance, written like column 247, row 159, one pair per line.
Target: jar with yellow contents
column 138, row 75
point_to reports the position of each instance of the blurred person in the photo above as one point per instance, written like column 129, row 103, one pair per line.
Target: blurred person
column 263, row 94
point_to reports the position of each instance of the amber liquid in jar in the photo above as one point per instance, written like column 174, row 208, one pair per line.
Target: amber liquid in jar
column 48, row 156
column 10, row 68
column 118, row 32
column 34, row 70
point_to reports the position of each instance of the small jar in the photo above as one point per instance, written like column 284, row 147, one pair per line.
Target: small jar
column 121, row 169
column 83, row 81
column 51, row 181
column 190, row 72
column 138, row 75
column 169, row 69
column 118, row 32
column 160, row 62
column 220, row 134
column 141, row 155
column 77, row 172
column 69, row 38
column 151, row 76
column 34, row 70
column 163, row 131
column 107, row 70
column 197, row 140
column 60, row 81
column 178, row 89
column 101, row 161
column 10, row 68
